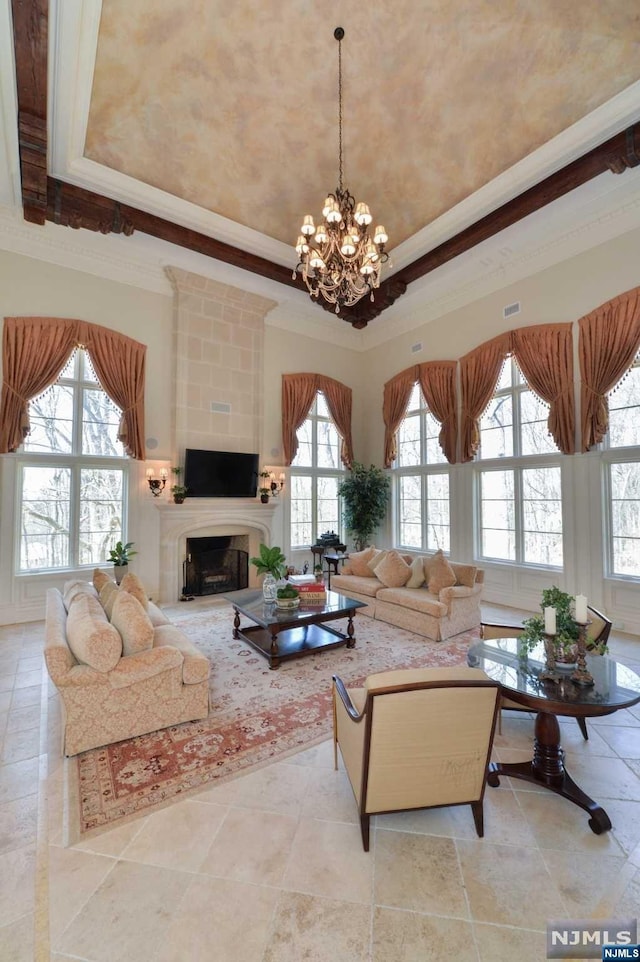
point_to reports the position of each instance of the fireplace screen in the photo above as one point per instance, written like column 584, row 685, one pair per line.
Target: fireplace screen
column 213, row 567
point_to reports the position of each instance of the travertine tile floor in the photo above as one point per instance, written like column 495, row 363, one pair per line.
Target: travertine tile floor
column 269, row 867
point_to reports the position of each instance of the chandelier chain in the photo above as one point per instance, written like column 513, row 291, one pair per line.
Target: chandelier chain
column 340, row 113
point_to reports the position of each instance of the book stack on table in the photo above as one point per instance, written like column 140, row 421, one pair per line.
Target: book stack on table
column 312, row 594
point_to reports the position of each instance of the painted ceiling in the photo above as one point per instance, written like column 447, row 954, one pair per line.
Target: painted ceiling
column 233, row 107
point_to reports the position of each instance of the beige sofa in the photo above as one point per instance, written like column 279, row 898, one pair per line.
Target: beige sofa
column 435, row 614
column 123, row 677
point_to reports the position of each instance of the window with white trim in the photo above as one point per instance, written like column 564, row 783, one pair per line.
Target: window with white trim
column 621, row 465
column 316, row 473
column 72, row 474
column 518, row 477
column 421, row 474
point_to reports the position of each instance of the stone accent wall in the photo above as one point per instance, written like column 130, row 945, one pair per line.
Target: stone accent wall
column 219, row 351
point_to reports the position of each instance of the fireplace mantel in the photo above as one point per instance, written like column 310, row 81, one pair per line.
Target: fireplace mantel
column 197, row 517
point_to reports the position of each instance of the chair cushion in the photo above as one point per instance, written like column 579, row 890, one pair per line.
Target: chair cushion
column 359, row 562
column 440, row 574
column 91, row 638
column 393, row 571
column 347, row 584
column 133, row 623
column 420, row 600
column 134, row 586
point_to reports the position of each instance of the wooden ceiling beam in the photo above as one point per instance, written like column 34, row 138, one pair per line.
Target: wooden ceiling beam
column 30, row 32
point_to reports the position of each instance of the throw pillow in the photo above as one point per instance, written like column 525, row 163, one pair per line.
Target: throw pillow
column 465, row 574
column 393, row 571
column 100, row 579
column 359, row 562
column 133, row 623
column 91, row 638
column 377, row 558
column 441, row 574
column 134, row 586
column 416, row 578
column 76, row 589
column 108, row 596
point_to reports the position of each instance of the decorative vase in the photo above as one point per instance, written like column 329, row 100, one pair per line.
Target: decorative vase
column 269, row 588
column 178, row 498
column 119, row 572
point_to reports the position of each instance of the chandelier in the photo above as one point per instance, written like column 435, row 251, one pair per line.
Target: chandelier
column 338, row 258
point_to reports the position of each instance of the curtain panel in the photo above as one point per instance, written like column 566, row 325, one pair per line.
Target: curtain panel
column 438, row 382
column 479, row 373
column 545, row 356
column 608, row 344
column 396, row 396
column 36, row 349
column 298, row 394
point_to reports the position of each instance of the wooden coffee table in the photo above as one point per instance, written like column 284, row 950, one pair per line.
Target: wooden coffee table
column 282, row 634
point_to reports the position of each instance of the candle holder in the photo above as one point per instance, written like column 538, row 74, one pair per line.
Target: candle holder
column 581, row 676
column 550, row 673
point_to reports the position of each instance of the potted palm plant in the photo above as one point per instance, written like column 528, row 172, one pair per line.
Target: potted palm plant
column 120, row 556
column 272, row 564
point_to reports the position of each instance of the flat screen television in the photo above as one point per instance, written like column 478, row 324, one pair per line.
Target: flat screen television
column 220, row 474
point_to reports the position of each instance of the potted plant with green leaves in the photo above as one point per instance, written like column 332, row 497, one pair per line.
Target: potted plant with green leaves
column 120, row 556
column 272, row 564
column 365, row 494
column 265, row 488
column 567, row 628
column 317, row 571
column 179, row 491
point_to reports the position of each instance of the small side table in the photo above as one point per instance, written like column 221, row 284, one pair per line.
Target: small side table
column 333, row 560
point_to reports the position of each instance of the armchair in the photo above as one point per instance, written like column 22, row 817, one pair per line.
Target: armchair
column 416, row 738
column 597, row 637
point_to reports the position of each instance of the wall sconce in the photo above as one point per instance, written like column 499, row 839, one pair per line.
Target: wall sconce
column 157, row 485
column 276, row 486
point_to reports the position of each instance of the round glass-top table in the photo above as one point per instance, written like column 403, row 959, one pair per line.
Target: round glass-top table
column 615, row 686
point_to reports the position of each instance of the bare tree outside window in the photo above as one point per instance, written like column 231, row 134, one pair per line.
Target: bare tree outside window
column 622, row 476
column 520, row 504
column 422, row 480
column 316, row 473
column 73, row 471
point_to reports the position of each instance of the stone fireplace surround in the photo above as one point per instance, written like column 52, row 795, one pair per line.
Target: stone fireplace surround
column 202, row 518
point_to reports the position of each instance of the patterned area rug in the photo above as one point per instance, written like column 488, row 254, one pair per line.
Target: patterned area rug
column 256, row 714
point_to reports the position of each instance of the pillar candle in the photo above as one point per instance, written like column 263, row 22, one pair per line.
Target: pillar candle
column 550, row 621
column 581, row 609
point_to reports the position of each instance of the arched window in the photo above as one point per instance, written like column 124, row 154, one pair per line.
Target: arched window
column 316, row 473
column 72, row 474
column 421, row 474
column 621, row 460
column 518, row 477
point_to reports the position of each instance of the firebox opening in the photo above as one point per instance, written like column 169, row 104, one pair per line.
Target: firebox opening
column 215, row 565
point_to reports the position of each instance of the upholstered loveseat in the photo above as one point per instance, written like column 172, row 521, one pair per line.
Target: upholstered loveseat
column 121, row 668
column 426, row 594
